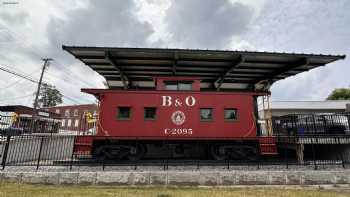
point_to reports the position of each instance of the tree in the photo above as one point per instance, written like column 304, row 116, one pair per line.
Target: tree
column 340, row 94
column 49, row 96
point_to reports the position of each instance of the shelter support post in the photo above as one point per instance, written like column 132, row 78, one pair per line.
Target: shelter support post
column 256, row 116
column 176, row 58
column 125, row 79
column 234, row 65
column 300, row 153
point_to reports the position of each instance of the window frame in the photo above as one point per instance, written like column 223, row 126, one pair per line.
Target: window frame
column 75, row 112
column 231, row 108
column 155, row 114
column 212, row 114
column 118, row 112
column 67, row 112
column 177, row 83
column 76, row 123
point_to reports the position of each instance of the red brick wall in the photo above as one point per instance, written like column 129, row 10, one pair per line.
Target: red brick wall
column 73, row 116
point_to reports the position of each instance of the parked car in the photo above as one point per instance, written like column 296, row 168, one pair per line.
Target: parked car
column 313, row 124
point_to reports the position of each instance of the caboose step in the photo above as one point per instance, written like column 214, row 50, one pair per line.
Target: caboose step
column 268, row 149
column 268, row 145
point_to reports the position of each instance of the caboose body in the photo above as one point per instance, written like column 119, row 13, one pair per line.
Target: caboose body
column 177, row 111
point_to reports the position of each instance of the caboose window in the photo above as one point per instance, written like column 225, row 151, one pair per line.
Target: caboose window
column 124, row 113
column 230, row 114
column 178, row 85
column 150, row 113
column 206, row 114
column 185, row 86
column 171, row 86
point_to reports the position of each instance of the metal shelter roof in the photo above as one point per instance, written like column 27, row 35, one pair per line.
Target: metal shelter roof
column 137, row 67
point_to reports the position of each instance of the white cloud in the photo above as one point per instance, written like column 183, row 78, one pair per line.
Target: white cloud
column 34, row 29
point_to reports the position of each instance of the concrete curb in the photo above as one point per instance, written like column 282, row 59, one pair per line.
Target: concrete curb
column 184, row 178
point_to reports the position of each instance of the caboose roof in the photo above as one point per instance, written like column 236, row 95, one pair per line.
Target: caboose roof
column 137, row 67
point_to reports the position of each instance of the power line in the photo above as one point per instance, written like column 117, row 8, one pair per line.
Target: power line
column 16, row 37
column 70, row 98
column 18, row 81
column 19, row 97
column 34, row 81
column 70, row 73
column 18, row 74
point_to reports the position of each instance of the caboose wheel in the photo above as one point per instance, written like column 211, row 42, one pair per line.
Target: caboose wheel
column 117, row 152
column 103, row 153
column 235, row 152
column 136, row 152
column 218, row 152
column 250, row 153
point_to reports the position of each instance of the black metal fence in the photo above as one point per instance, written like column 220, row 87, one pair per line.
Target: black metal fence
column 313, row 141
column 315, row 152
column 312, row 124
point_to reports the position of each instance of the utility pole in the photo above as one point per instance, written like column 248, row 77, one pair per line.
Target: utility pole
column 34, row 116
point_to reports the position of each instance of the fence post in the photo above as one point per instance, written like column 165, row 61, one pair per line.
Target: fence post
column 40, row 149
column 136, row 147
column 348, row 117
column 286, row 151
column 4, row 157
column 228, row 158
column 103, row 163
column 258, row 152
column 313, row 152
column 72, row 156
column 166, row 165
column 197, row 152
column 342, row 156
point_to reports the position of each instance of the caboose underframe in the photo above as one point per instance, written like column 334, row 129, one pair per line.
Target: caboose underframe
column 118, row 148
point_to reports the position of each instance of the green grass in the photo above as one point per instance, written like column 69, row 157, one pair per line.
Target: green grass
column 18, row 190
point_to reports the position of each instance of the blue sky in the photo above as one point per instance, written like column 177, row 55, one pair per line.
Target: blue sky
column 32, row 29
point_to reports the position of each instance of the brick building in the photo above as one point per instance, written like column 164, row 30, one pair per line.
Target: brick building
column 73, row 117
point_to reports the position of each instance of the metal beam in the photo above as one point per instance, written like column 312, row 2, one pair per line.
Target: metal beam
column 176, row 57
column 125, row 79
column 291, row 66
column 232, row 67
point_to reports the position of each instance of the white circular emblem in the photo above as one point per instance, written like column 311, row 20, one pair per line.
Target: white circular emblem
column 178, row 117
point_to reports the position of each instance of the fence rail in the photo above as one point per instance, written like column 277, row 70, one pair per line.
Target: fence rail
column 58, row 150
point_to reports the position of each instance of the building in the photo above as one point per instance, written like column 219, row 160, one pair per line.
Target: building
column 280, row 108
column 74, row 116
column 19, row 118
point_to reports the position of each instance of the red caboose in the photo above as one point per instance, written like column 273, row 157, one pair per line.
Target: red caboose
column 193, row 102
